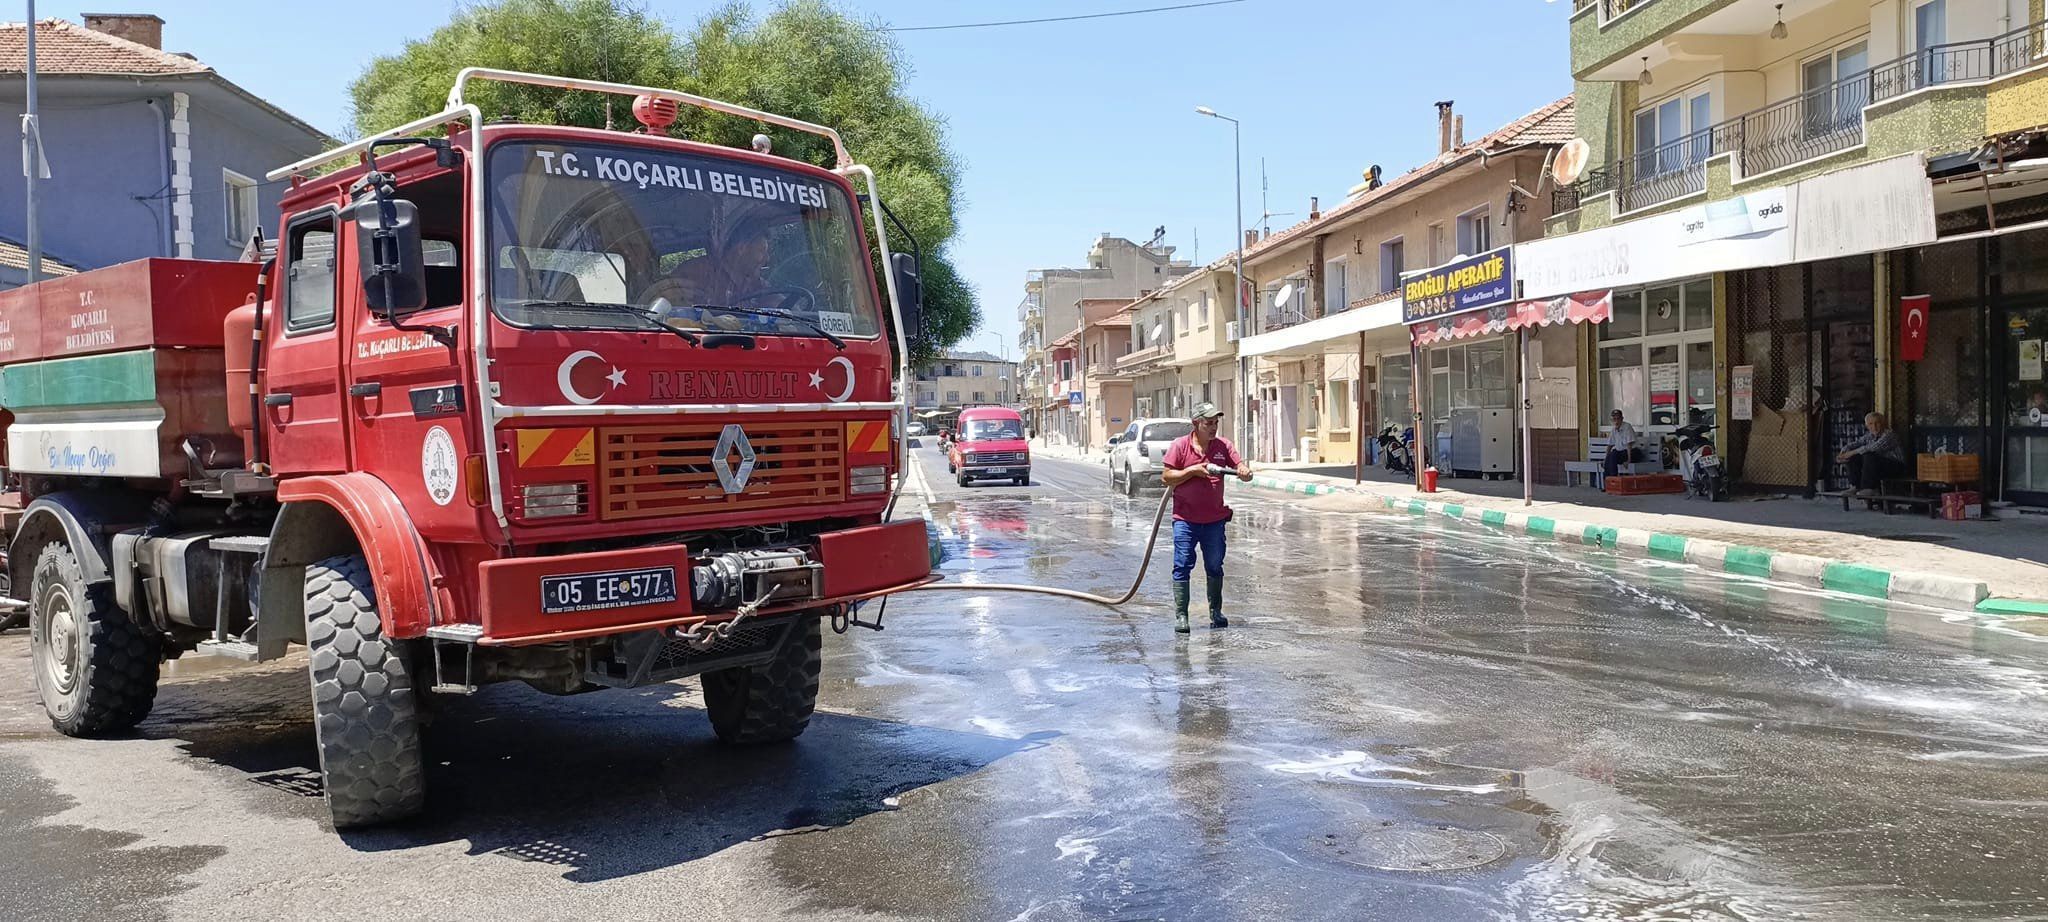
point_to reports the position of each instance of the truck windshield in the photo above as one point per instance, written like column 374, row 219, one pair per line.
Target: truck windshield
column 578, row 230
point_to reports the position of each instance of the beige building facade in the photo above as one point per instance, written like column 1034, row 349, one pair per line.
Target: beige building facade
column 1329, row 356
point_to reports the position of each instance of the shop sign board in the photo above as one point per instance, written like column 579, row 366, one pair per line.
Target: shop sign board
column 1868, row 208
column 1460, row 285
column 1741, row 391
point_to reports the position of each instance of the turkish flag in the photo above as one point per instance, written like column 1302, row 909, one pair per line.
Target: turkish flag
column 1913, row 313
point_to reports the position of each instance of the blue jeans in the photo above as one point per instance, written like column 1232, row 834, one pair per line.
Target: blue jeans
column 1186, row 537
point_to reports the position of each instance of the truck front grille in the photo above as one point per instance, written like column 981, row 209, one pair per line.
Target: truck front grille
column 650, row 471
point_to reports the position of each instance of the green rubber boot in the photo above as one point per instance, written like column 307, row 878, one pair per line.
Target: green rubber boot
column 1216, row 618
column 1180, row 607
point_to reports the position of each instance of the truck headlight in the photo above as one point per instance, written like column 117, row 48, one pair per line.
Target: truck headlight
column 553, row 500
column 873, row 479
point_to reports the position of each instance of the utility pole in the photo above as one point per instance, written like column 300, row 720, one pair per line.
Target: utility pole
column 1237, row 266
column 32, row 156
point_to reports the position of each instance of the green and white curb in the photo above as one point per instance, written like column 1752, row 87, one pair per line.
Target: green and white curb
column 1293, row 486
column 1797, row 569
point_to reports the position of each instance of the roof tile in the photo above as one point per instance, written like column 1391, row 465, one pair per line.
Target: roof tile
column 64, row 47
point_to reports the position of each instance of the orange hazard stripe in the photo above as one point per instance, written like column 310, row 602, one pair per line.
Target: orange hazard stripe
column 557, row 447
column 867, row 438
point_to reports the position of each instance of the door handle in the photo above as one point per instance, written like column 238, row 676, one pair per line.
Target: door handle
column 366, row 389
column 277, row 400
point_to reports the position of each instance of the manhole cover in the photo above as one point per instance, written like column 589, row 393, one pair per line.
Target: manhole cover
column 1923, row 539
column 1415, row 848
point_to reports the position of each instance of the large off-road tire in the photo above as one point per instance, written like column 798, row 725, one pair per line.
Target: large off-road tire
column 95, row 667
column 773, row 701
column 364, row 715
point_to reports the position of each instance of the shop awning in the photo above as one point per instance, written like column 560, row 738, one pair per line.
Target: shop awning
column 1588, row 307
column 1313, row 337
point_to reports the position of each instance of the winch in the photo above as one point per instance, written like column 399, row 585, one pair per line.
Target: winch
column 756, row 578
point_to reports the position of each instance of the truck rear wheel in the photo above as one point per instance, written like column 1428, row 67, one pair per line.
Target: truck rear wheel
column 364, row 715
column 95, row 668
column 773, row 701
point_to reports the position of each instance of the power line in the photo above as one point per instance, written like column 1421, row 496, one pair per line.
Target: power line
column 1027, row 22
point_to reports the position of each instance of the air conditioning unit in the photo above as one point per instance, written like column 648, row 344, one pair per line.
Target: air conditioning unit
column 1230, row 331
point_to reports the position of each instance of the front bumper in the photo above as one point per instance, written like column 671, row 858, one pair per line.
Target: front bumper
column 855, row 564
column 998, row 470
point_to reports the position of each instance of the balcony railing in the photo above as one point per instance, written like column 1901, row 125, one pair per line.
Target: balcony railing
column 1612, row 9
column 1675, row 169
column 1815, row 123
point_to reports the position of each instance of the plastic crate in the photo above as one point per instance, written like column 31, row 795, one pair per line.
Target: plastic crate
column 1644, row 484
column 1948, row 468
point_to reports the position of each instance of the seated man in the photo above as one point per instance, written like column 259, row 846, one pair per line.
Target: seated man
column 1875, row 456
column 1621, row 445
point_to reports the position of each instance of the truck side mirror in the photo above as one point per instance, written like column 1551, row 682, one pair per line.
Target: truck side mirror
column 390, row 254
column 909, row 293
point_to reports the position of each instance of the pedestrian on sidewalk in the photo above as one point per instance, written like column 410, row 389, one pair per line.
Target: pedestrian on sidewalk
column 1621, row 446
column 1875, row 456
column 1198, row 510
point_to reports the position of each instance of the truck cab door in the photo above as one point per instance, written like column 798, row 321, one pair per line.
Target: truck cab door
column 301, row 377
column 407, row 406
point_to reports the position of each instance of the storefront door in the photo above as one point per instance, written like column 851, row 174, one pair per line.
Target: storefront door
column 2024, row 407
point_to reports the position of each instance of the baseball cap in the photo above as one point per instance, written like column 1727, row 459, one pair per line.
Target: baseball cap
column 1206, row 410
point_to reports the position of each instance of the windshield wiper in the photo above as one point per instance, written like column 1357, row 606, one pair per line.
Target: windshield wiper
column 836, row 342
column 625, row 310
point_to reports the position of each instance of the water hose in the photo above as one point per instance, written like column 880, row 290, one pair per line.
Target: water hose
column 1151, row 542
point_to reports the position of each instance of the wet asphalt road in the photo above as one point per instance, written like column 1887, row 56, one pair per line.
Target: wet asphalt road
column 1405, row 721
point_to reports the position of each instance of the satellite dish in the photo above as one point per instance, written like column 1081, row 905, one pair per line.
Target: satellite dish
column 1285, row 295
column 1157, row 331
column 1571, row 162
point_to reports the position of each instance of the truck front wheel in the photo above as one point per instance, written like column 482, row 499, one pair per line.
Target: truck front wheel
column 95, row 667
column 364, row 715
column 773, row 701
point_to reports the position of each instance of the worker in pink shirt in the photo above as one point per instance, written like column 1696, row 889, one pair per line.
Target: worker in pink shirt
column 1191, row 470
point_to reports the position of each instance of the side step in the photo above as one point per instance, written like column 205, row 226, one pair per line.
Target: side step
column 230, row 649
column 465, row 636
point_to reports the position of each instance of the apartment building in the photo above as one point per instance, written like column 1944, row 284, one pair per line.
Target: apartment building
column 1330, row 350
column 1805, row 211
column 1117, row 270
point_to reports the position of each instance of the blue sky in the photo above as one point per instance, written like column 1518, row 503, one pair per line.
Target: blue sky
column 1066, row 130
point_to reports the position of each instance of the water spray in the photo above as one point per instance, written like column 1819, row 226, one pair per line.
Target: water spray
column 1144, row 565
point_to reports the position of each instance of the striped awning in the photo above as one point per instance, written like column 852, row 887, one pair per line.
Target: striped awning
column 1585, row 307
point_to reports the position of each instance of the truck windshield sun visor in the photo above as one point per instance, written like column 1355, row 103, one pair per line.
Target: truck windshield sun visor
column 590, row 235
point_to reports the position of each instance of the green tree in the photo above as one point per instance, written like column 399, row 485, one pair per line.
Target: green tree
column 804, row 59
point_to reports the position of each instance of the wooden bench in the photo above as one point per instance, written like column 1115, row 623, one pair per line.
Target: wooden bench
column 1595, row 465
column 1893, row 495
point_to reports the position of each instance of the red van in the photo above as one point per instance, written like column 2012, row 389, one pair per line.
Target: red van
column 988, row 444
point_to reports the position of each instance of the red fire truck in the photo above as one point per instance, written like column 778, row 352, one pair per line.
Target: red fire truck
column 580, row 408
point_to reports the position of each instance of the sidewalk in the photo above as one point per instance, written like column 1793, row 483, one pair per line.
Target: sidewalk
column 1998, row 567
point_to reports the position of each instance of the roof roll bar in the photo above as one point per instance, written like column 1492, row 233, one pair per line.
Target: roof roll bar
column 455, row 100
column 451, row 114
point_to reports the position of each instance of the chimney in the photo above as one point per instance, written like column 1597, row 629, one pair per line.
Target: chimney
column 1458, row 131
column 1443, row 126
column 140, row 28
column 1251, row 238
column 1315, row 209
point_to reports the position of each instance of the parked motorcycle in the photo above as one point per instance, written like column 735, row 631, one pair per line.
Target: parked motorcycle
column 1705, row 477
column 1397, row 451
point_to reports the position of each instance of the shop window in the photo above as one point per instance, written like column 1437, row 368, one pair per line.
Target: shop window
column 1396, row 382
column 1622, row 384
column 1699, row 305
column 1628, row 317
column 1661, row 310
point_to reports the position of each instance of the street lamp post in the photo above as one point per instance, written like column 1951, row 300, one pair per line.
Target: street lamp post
column 1237, row 266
